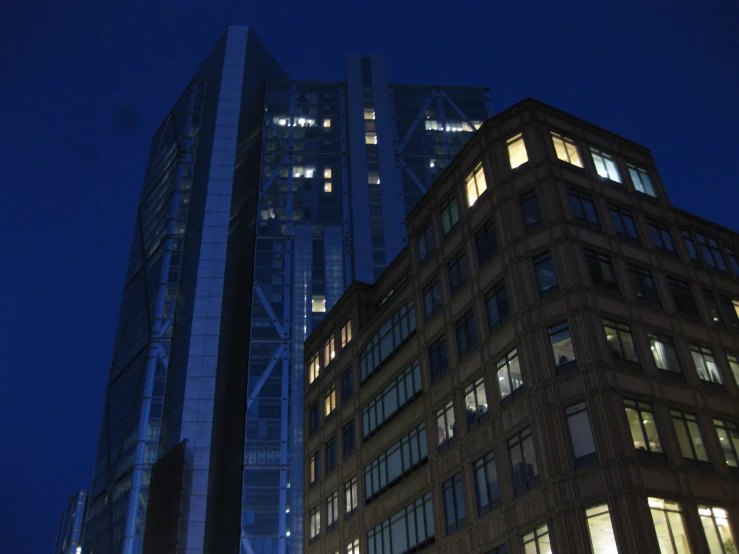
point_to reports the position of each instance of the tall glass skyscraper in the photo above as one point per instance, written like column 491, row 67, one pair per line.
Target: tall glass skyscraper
column 264, row 198
column 71, row 522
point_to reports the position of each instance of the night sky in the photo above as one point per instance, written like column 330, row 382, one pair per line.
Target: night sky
column 84, row 84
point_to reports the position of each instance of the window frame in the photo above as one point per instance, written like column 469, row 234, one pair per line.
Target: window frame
column 432, row 286
column 620, row 217
column 449, row 426
column 465, row 330
column 633, row 169
column 481, row 467
column 351, row 497
column 667, row 343
column 447, row 211
column 598, row 155
column 695, row 441
column 567, row 365
column 592, row 512
column 332, row 509
column 347, row 386
column 648, row 452
column 485, row 237
column 703, row 353
column 599, row 265
column 452, row 489
column 422, row 239
column 479, row 184
column 504, row 364
column 514, row 140
column 314, row 524
column 494, row 295
column 438, row 357
column 529, row 204
column 639, row 277
column 657, row 504
column 569, row 157
column 570, row 413
column 582, row 199
column 662, row 230
column 621, row 329
column 517, row 440
column 730, row 439
column 348, row 447
column 538, row 261
column 683, row 297
column 478, row 411
column 458, row 272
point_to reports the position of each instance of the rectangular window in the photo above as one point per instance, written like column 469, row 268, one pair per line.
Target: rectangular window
column 717, row 529
column 537, row 541
column 661, row 236
column 314, row 368
column 314, row 526
column 449, row 215
column 346, row 332
column 711, row 252
column 330, row 455
column 486, row 485
column 669, row 526
column 329, row 402
column 641, row 181
column 510, row 379
column 458, row 273
column 734, row 366
column 581, row 435
column 438, row 361
column 352, row 547
column 476, row 403
column 329, row 351
column 399, row 393
column 562, row 348
column 314, row 469
column 690, row 245
column 327, row 186
column 644, row 286
column 517, row 154
column 583, row 208
column 347, row 386
column 486, row 243
column 689, row 436
column 600, row 527
column 620, row 341
column 332, row 511
column 665, row 355
column 327, row 172
column 728, row 438
column 732, row 259
column 391, row 335
column 500, row 549
column 425, row 242
column 370, row 138
column 496, row 302
column 714, row 313
column 566, row 149
column 475, row 185
column 347, row 440
column 623, row 222
column 601, row 272
column 546, row 275
column 466, row 334
column 455, row 516
column 350, row 497
column 731, row 311
column 643, row 426
column 409, row 530
column 314, row 419
column 523, row 462
column 318, row 303
column 531, row 211
column 682, row 295
column 705, row 365
column 431, row 298
column 605, row 165
column 445, row 426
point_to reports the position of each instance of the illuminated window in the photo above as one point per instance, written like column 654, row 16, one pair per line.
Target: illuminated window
column 329, row 402
column 332, row 511
column 734, row 365
column 373, row 178
column 329, row 350
column 350, row 497
column 620, row 341
column 326, row 172
column 510, row 378
column 352, row 547
column 718, row 532
column 309, row 172
column 669, row 527
column 318, row 303
column 369, row 113
column 566, row 149
column 370, row 138
column 315, row 524
column 314, row 368
column 640, row 179
column 728, row 437
column 346, row 332
column 605, row 165
column 517, row 151
column 476, row 403
column 600, row 527
column 445, row 426
column 314, row 468
column 689, row 437
column 326, row 123
column 475, row 185
column 643, row 427
column 537, row 541
column 327, row 186
column 665, row 354
column 705, row 364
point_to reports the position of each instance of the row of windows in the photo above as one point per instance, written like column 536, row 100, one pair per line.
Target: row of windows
column 400, row 392
column 393, row 333
column 329, row 351
column 408, row 530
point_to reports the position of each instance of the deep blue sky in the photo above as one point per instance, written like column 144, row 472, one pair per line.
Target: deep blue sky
column 84, row 84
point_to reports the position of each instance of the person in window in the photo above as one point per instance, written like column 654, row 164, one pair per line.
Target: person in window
column 562, row 360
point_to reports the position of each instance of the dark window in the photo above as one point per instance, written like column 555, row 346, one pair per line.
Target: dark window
column 476, row 403
column 583, row 208
column 623, row 222
column 391, row 335
column 486, row 484
column 510, row 378
column 332, row 511
column 454, row 513
column 714, row 314
column 425, row 242
column 409, row 530
column 711, row 252
column 314, row 419
column 497, row 305
column 393, row 398
column 457, row 272
column 330, row 455
column 523, row 462
column 500, row 549
column 601, row 271
column 562, row 348
column 641, row 181
column 661, row 236
column 431, row 298
column 546, row 274
column 690, row 245
column 732, row 260
column 643, row 427
column 665, row 355
column 466, row 334
column 644, row 286
column 731, row 311
column 347, row 386
column 446, row 427
column 449, row 214
column 581, row 435
column 690, row 439
column 350, row 497
column 347, row 439
column 438, row 361
column 682, row 295
column 397, row 461
column 486, row 243
column 531, row 211
column 620, row 341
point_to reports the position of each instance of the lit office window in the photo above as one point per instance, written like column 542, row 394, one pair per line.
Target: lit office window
column 476, row 403
column 523, row 462
column 600, row 527
column 326, row 123
column 705, row 364
column 329, row 350
column 314, row 525
column 546, row 274
column 643, row 427
column 452, row 493
column 566, row 149
column 517, row 151
column 327, row 172
column 644, row 286
column 329, row 402
column 373, row 178
column 449, row 214
column 689, row 436
column 352, row 547
column 346, row 332
column 537, row 541
column 486, row 484
column 640, row 179
column 661, row 236
column 327, row 186
column 369, row 113
column 370, row 138
column 531, row 211
column 332, row 511
column 728, row 437
column 510, row 378
column 581, row 435
column 475, row 185
column 314, row 468
column 734, row 366
column 717, row 529
column 445, row 426
column 605, row 165
column 314, row 368
column 665, row 354
column 562, row 348
column 602, row 274
column 318, row 303
column 620, row 341
column 669, row 527
column 350, row 497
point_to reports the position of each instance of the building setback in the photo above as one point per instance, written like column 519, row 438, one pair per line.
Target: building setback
column 258, row 192
column 551, row 365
